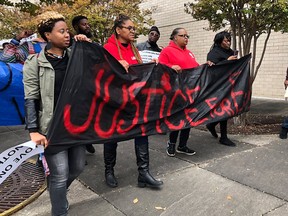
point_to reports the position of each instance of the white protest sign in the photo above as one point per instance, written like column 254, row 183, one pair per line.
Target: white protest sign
column 148, row 55
column 13, row 157
column 30, row 38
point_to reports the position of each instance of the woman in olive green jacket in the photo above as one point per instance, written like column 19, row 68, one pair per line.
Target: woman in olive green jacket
column 43, row 76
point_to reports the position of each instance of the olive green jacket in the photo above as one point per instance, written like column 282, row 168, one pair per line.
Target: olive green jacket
column 39, row 79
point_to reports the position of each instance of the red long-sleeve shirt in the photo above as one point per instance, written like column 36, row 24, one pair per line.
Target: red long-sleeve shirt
column 174, row 55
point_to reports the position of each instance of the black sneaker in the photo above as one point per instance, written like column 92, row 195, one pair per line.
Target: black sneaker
column 212, row 130
column 185, row 150
column 170, row 149
column 227, row 142
column 90, row 148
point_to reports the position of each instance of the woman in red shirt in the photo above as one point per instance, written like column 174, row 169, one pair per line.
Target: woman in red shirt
column 120, row 45
column 178, row 57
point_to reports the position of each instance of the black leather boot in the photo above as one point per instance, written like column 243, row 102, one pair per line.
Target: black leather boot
column 110, row 161
column 145, row 178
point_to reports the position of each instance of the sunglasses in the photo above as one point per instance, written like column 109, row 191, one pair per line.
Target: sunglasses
column 154, row 34
column 184, row 35
column 130, row 28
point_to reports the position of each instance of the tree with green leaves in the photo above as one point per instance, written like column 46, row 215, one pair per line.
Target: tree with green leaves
column 247, row 20
column 100, row 14
column 11, row 21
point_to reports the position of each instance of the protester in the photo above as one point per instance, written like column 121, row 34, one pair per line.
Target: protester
column 4, row 45
column 284, row 128
column 81, row 26
column 16, row 52
column 178, row 57
column 43, row 76
column 221, row 51
column 151, row 43
column 121, row 46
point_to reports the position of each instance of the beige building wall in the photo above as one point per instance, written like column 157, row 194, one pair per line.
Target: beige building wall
column 269, row 81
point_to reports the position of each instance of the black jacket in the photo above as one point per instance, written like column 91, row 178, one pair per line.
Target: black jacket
column 218, row 54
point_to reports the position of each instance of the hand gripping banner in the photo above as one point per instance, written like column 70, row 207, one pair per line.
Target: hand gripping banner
column 101, row 102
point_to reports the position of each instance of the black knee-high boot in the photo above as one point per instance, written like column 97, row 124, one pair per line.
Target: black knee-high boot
column 110, row 161
column 145, row 178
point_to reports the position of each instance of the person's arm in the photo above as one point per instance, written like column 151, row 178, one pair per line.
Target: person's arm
column 212, row 57
column 32, row 100
column 14, row 52
column 233, row 57
column 111, row 49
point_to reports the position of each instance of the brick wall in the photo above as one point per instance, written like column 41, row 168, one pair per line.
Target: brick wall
column 269, row 81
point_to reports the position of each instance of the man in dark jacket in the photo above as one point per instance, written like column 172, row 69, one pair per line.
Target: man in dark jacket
column 151, row 43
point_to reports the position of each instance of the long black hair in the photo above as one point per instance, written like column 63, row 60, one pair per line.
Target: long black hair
column 219, row 37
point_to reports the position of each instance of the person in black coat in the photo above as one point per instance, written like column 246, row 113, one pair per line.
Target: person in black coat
column 151, row 43
column 221, row 51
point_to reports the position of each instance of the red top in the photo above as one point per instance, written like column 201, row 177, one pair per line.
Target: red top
column 127, row 52
column 174, row 55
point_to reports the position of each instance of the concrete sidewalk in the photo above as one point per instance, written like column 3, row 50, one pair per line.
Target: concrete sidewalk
column 249, row 179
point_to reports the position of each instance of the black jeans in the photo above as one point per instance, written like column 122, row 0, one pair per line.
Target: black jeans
column 184, row 135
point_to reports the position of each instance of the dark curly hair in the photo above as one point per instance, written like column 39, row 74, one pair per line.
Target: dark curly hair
column 76, row 20
column 48, row 26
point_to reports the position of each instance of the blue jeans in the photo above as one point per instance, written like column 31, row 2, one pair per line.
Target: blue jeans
column 64, row 167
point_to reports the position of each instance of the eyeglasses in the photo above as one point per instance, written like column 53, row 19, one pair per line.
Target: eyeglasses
column 184, row 35
column 130, row 28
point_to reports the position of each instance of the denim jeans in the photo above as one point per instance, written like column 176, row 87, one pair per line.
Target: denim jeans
column 64, row 167
column 184, row 135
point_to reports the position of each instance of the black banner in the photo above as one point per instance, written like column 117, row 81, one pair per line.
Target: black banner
column 100, row 102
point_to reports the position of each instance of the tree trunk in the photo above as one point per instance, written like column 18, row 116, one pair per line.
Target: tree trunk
column 241, row 119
